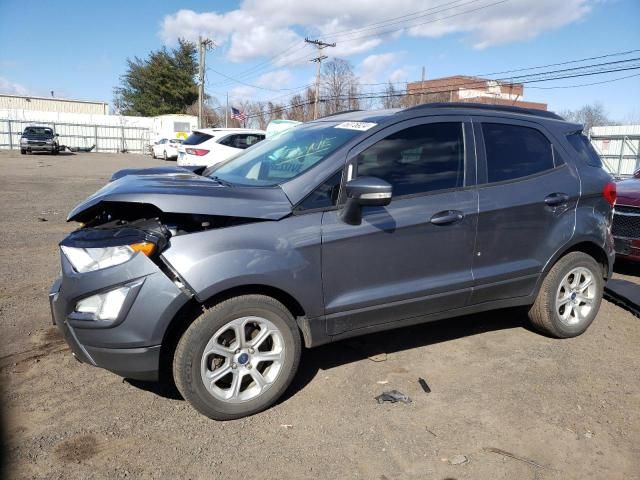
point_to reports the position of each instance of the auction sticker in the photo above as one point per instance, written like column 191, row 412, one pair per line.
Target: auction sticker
column 362, row 126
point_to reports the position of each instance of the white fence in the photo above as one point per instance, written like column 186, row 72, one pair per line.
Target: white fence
column 109, row 133
column 619, row 148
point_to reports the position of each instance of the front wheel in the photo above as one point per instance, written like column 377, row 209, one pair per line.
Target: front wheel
column 570, row 296
column 164, row 155
column 238, row 357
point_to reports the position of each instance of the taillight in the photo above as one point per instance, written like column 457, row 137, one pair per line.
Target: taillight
column 197, row 151
column 610, row 193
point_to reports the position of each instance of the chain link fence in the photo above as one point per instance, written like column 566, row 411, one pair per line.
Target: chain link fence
column 104, row 138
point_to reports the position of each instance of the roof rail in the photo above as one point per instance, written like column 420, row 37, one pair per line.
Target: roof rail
column 340, row 113
column 485, row 106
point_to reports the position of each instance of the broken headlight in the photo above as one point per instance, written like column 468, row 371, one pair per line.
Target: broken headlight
column 90, row 259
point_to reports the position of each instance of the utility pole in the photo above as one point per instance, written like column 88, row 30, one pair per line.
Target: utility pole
column 203, row 45
column 319, row 45
column 422, row 87
column 226, row 113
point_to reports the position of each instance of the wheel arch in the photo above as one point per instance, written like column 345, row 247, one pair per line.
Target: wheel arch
column 597, row 252
column 194, row 308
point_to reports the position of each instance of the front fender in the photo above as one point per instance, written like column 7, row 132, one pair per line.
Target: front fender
column 281, row 254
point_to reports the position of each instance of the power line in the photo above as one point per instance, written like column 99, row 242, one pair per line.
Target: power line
column 587, row 84
column 299, row 59
column 377, row 34
column 377, row 95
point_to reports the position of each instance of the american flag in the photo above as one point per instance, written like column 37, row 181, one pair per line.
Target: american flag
column 238, row 115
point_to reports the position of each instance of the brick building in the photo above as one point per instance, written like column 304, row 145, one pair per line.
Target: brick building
column 460, row 88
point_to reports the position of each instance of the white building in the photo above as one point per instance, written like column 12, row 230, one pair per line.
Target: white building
column 52, row 104
column 619, row 148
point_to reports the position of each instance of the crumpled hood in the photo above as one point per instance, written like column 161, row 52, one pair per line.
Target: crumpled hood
column 189, row 193
column 628, row 192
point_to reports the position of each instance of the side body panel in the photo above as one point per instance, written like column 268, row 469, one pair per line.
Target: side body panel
column 283, row 255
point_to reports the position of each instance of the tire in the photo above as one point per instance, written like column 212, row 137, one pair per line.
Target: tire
column 164, row 156
column 561, row 307
column 153, row 153
column 23, row 151
column 216, row 330
column 55, row 151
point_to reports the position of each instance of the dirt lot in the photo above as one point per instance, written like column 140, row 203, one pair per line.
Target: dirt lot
column 565, row 408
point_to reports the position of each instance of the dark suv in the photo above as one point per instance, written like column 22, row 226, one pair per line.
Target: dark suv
column 39, row 139
column 355, row 223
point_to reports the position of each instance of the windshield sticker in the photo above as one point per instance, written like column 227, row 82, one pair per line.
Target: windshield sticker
column 362, row 126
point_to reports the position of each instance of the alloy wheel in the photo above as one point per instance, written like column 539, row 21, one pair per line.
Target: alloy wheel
column 242, row 359
column 576, row 295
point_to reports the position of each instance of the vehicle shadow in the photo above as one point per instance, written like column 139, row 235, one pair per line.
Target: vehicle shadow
column 355, row 349
column 340, row 353
column 626, row 267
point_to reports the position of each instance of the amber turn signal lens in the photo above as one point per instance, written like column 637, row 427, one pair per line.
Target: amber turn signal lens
column 145, row 247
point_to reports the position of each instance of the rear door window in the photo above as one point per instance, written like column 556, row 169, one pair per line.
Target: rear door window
column 196, row 138
column 514, row 151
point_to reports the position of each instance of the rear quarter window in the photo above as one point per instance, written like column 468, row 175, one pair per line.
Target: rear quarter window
column 584, row 149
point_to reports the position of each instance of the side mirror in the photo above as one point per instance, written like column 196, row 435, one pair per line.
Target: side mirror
column 56, row 135
column 364, row 192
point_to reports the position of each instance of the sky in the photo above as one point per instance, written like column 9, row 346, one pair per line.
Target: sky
column 79, row 49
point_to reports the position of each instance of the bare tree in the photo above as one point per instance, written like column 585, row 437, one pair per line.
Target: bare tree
column 339, row 86
column 392, row 98
column 211, row 112
column 589, row 115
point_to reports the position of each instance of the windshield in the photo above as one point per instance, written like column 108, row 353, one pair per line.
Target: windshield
column 38, row 131
column 284, row 156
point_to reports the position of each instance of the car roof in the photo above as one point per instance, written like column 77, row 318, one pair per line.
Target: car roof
column 389, row 115
column 216, row 132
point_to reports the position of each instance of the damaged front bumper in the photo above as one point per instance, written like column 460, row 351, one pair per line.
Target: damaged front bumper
column 128, row 345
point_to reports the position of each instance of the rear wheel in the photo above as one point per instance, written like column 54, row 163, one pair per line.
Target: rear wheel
column 238, row 357
column 23, row 151
column 153, row 153
column 570, row 296
column 164, row 155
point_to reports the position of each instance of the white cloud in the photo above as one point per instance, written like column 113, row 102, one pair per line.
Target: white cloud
column 264, row 28
column 12, row 88
column 399, row 75
column 275, row 80
column 373, row 67
column 242, row 92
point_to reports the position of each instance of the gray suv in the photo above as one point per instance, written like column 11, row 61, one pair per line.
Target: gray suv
column 351, row 224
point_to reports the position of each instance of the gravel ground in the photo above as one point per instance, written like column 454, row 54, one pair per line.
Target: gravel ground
column 505, row 401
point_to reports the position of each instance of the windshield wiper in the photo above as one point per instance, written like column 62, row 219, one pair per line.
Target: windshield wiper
column 220, row 181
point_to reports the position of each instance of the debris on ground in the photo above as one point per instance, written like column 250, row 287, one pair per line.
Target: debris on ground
column 42, row 219
column 589, row 434
column 514, row 456
column 381, row 357
column 382, row 382
column 427, row 429
column 286, row 426
column 393, row 396
column 424, row 385
column 458, row 460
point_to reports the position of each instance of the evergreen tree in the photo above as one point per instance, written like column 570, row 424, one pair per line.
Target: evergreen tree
column 162, row 83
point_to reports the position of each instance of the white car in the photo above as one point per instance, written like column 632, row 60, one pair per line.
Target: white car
column 208, row 146
column 166, row 148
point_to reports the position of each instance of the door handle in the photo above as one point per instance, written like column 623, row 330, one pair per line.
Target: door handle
column 447, row 217
column 555, row 199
